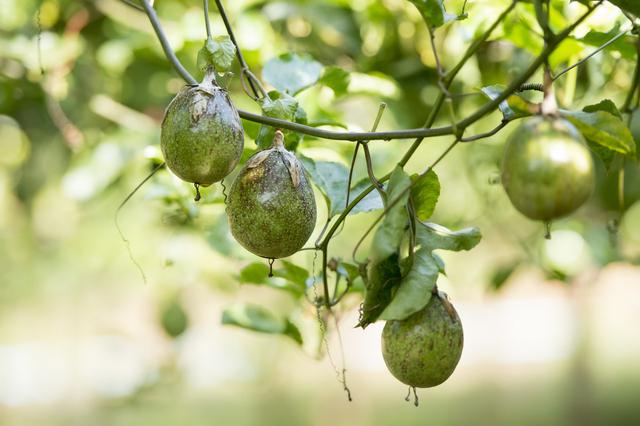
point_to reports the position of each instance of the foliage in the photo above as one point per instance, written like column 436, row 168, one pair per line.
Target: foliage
column 85, row 129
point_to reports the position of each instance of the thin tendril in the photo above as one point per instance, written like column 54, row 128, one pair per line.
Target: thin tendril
column 39, row 40
column 224, row 191
column 117, row 216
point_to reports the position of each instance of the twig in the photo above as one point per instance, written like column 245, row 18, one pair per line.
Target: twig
column 592, row 54
column 207, row 23
column 253, row 82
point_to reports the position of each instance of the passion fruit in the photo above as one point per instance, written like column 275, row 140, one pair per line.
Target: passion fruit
column 423, row 350
column 547, row 170
column 271, row 207
column 202, row 136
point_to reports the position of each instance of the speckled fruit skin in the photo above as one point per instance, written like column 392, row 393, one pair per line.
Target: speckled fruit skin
column 202, row 136
column 268, row 214
column 547, row 170
column 424, row 349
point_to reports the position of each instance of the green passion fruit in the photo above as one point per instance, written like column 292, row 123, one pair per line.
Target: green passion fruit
column 547, row 170
column 202, row 136
column 271, row 207
column 423, row 350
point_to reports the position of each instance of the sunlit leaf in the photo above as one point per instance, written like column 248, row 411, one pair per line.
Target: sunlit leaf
column 433, row 12
column 515, row 106
column 606, row 105
column 624, row 44
column 291, row 72
column 631, row 6
column 603, row 128
column 285, row 107
column 337, row 79
column 437, row 237
column 424, row 193
column 218, row 52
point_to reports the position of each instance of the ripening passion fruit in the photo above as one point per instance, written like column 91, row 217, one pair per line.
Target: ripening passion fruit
column 202, row 136
column 423, row 350
column 271, row 207
column 547, row 170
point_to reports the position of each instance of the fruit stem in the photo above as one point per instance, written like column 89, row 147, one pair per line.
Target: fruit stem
column 271, row 260
column 197, row 197
column 547, row 229
column 278, row 140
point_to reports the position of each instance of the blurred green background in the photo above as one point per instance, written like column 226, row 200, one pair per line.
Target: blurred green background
column 550, row 326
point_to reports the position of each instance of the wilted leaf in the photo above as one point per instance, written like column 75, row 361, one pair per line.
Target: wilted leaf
column 291, row 72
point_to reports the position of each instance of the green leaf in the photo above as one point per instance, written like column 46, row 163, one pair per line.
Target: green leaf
column 414, row 291
column 436, row 237
column 603, row 128
column 291, row 72
column 279, row 105
column 384, row 273
column 218, row 52
column 382, row 277
column 254, row 273
column 292, row 273
column 337, row 79
column 631, row 6
column 370, row 202
column 331, row 179
column 389, row 234
column 424, row 193
column 288, row 278
column 606, row 105
column 257, row 318
column 502, row 273
column 174, row 319
column 515, row 106
column 624, row 44
column 433, row 12
column 285, row 107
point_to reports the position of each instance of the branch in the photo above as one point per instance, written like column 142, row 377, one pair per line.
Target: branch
column 513, row 87
column 155, row 23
